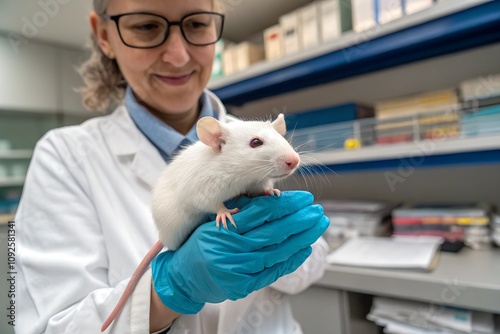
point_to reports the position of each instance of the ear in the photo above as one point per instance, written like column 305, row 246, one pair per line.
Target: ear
column 209, row 131
column 100, row 32
column 280, row 125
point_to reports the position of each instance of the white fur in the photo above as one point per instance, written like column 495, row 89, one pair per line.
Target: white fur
column 200, row 179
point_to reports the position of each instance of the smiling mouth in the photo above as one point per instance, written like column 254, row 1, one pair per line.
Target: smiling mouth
column 175, row 80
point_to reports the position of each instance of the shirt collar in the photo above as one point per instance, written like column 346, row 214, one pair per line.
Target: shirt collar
column 166, row 139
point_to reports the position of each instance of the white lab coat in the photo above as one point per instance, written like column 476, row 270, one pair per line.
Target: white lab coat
column 84, row 224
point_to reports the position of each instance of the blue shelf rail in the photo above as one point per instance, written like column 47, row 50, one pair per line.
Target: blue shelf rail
column 466, row 29
column 486, row 157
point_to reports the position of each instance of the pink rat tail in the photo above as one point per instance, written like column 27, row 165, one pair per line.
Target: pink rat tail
column 134, row 280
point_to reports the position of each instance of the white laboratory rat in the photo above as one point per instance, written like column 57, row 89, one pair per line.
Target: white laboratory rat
column 231, row 159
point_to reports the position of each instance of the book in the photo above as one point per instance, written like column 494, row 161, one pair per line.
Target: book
column 427, row 102
column 461, row 210
column 440, row 220
column 388, row 253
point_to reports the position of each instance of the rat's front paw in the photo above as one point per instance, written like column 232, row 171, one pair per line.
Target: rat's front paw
column 273, row 192
column 224, row 214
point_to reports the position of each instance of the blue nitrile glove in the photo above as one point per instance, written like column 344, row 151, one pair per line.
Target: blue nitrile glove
column 273, row 238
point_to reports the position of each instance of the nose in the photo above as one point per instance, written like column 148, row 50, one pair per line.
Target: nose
column 175, row 48
column 292, row 161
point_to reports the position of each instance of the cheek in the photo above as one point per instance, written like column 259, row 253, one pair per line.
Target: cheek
column 204, row 56
column 134, row 64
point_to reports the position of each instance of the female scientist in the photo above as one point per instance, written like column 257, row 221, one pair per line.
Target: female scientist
column 84, row 221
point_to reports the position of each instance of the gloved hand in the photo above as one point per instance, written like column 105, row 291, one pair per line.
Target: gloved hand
column 272, row 239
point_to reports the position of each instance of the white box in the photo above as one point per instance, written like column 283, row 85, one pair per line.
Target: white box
column 413, row 6
column 290, row 27
column 310, row 25
column 335, row 18
column 363, row 15
column 228, row 60
column 246, row 54
column 389, row 10
column 330, row 20
column 481, row 87
column 273, row 44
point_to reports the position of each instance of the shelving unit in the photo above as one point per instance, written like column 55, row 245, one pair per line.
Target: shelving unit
column 476, row 140
column 16, row 154
column 453, row 27
column 447, row 27
column 457, row 40
column 443, row 29
column 476, row 288
column 12, row 182
column 427, row 153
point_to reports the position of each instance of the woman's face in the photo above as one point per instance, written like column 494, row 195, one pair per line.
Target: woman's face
column 167, row 79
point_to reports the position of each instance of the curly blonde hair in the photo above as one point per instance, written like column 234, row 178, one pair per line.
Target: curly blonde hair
column 104, row 82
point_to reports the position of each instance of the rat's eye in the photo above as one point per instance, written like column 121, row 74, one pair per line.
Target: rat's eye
column 256, row 142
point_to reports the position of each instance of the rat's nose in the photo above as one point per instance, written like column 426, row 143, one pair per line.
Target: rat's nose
column 292, row 161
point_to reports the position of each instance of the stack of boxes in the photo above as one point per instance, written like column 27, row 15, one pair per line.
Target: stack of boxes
column 309, row 26
column 301, row 29
column 239, row 57
column 370, row 13
column 313, row 24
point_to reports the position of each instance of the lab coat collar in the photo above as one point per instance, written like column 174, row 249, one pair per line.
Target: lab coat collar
column 125, row 139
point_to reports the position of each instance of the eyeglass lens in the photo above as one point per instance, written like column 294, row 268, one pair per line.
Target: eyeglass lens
column 145, row 30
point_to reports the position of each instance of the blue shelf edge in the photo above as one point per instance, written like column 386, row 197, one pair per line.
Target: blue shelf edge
column 406, row 164
column 466, row 29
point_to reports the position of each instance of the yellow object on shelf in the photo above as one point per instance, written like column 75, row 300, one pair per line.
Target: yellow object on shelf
column 352, row 144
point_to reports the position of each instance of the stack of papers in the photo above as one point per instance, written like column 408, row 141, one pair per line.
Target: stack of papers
column 395, row 253
column 411, row 317
column 350, row 219
column 495, row 233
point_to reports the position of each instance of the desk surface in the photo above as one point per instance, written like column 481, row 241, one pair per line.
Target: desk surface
column 469, row 279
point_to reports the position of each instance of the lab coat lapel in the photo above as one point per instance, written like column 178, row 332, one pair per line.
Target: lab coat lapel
column 127, row 140
column 147, row 163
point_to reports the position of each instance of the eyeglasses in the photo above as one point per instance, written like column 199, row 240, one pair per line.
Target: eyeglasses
column 146, row 30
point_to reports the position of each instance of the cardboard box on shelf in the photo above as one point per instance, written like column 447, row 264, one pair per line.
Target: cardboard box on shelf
column 247, row 54
column 290, row 26
column 389, row 10
column 310, row 22
column 364, row 15
column 413, row 6
column 273, row 42
column 228, row 60
column 483, row 87
column 335, row 18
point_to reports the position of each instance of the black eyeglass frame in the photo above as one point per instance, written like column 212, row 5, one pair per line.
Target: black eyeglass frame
column 117, row 17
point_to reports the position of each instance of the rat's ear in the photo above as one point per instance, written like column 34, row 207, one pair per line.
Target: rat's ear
column 210, row 133
column 280, row 125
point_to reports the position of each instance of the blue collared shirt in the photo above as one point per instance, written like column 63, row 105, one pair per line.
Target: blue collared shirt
column 166, row 139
